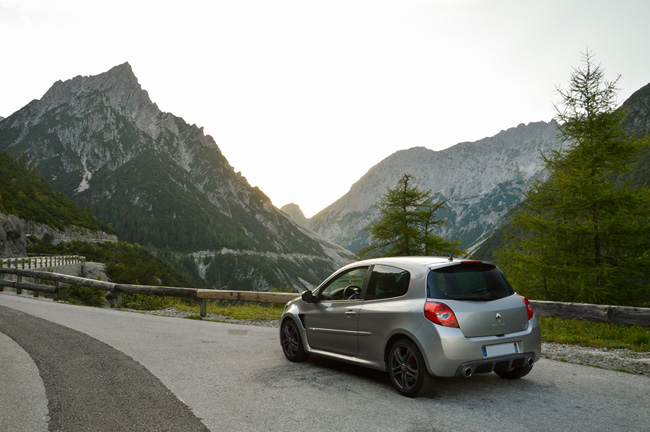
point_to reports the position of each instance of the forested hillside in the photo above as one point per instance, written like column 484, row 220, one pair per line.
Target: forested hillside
column 25, row 194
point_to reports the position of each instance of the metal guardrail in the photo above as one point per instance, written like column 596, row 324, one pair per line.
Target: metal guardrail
column 44, row 261
column 580, row 311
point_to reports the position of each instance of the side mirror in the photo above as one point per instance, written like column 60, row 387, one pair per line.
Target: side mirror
column 308, row 296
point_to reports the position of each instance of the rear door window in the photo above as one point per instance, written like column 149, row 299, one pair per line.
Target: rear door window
column 476, row 281
column 387, row 282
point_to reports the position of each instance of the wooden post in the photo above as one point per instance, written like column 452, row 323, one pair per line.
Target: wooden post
column 56, row 294
column 18, row 290
column 203, row 307
column 120, row 299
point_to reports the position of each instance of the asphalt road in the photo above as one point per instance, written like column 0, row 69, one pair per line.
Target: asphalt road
column 235, row 378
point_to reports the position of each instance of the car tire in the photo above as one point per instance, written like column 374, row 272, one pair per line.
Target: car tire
column 292, row 342
column 407, row 371
column 514, row 373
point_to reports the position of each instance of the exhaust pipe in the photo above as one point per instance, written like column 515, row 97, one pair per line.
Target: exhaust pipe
column 531, row 360
column 467, row 372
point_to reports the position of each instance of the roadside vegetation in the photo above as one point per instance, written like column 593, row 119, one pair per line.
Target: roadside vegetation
column 236, row 310
column 125, row 262
column 593, row 334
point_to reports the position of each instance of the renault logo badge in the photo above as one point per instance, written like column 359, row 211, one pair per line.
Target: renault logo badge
column 498, row 317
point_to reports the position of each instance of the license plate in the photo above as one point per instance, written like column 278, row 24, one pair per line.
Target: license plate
column 500, row 350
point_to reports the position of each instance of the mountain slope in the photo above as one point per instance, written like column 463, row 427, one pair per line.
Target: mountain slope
column 479, row 181
column 159, row 181
column 29, row 207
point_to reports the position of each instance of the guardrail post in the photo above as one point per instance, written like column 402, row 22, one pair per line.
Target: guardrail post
column 19, row 279
column 203, row 307
column 56, row 294
column 120, row 299
column 2, row 277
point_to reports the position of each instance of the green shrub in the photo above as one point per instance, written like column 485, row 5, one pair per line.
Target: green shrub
column 82, row 295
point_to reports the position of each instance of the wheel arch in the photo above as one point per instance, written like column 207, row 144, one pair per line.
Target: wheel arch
column 405, row 335
column 394, row 338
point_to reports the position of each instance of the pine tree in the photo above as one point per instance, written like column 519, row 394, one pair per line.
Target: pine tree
column 406, row 224
column 584, row 231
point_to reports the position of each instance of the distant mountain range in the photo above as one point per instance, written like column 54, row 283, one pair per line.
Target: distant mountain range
column 480, row 181
column 158, row 181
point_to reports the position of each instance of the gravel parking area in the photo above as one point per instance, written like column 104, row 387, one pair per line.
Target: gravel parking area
column 613, row 359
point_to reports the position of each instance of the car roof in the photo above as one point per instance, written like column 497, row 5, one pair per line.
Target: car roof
column 409, row 262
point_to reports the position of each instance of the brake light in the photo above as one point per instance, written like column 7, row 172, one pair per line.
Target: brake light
column 441, row 314
column 529, row 308
column 471, row 262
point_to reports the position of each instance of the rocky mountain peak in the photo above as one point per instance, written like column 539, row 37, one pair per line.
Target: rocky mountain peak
column 295, row 213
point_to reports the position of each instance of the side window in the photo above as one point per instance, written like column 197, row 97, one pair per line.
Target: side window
column 386, row 282
column 346, row 286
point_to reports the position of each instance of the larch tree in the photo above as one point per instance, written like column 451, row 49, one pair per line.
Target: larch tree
column 584, row 234
column 407, row 224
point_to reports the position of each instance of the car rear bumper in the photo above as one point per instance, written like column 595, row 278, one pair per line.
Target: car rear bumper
column 466, row 370
column 448, row 352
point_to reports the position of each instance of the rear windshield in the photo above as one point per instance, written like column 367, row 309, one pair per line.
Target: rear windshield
column 479, row 282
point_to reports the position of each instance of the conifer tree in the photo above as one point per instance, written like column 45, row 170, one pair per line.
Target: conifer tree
column 406, row 224
column 584, row 233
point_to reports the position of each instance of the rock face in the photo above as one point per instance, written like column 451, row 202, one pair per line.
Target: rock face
column 102, row 142
column 12, row 237
column 480, row 181
column 14, row 232
column 637, row 112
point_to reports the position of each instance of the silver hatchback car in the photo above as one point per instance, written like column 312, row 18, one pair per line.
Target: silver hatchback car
column 416, row 318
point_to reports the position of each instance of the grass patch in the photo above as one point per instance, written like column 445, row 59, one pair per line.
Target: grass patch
column 236, row 310
column 593, row 334
column 146, row 302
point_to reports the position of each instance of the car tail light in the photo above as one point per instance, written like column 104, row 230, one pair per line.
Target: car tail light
column 529, row 308
column 471, row 262
column 441, row 314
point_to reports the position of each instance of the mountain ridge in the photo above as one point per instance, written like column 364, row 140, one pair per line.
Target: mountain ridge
column 478, row 180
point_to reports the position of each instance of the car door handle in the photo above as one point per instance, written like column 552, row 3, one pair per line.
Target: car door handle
column 350, row 313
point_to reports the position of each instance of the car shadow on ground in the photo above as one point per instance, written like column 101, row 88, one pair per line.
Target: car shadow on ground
column 444, row 387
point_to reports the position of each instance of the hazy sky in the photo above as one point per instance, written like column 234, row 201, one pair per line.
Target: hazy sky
column 304, row 97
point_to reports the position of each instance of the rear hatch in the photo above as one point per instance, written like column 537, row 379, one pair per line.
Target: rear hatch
column 481, row 298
